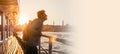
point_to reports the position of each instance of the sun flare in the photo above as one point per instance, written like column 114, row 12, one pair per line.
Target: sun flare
column 23, row 19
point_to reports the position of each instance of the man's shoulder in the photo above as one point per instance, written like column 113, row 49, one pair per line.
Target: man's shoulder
column 36, row 20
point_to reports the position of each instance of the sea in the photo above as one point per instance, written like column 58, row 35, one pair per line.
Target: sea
column 60, row 45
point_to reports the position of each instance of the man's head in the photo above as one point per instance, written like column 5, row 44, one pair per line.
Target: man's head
column 42, row 15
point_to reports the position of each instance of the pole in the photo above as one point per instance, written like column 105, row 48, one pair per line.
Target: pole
column 2, row 24
column 2, row 31
column 50, row 45
column 7, row 29
column 39, row 52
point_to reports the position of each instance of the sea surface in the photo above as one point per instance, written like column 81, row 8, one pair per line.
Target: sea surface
column 59, row 45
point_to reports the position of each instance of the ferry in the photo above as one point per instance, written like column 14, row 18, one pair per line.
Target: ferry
column 9, row 15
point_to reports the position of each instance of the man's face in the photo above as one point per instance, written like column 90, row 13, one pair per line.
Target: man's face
column 42, row 15
column 45, row 16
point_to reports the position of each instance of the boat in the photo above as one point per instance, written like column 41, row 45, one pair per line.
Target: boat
column 9, row 15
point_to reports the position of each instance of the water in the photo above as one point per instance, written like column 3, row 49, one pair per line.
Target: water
column 60, row 46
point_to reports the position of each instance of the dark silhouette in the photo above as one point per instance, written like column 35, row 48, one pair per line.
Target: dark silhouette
column 32, row 34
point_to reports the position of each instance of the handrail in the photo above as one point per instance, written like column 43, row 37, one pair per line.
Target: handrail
column 50, row 43
column 44, row 50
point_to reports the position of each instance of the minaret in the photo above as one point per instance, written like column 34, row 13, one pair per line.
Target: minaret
column 62, row 22
column 53, row 26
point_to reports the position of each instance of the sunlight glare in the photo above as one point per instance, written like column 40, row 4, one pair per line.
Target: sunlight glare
column 23, row 19
column 53, row 38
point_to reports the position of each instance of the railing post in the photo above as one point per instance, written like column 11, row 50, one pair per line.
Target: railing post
column 50, row 45
column 39, row 52
column 10, row 24
column 7, row 27
column 2, row 31
column 3, row 26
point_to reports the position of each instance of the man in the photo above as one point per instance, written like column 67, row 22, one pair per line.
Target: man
column 32, row 33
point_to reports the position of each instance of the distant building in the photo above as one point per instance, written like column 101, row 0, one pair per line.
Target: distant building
column 56, row 28
column 46, row 28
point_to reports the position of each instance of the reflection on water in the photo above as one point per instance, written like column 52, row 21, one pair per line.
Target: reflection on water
column 61, row 43
column 60, row 46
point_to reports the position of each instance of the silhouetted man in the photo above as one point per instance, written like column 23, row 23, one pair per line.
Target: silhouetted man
column 32, row 33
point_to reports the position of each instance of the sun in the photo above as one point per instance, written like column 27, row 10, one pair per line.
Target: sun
column 23, row 19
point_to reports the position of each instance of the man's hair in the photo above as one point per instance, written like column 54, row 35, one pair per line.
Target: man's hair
column 41, row 14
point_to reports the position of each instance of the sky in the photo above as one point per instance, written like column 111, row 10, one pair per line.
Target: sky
column 57, row 10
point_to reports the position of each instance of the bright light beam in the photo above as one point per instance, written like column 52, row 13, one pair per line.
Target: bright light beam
column 23, row 19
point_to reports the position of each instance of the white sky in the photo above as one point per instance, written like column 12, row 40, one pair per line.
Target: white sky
column 57, row 10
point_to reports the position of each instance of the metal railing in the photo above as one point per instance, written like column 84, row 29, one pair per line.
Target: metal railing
column 51, row 38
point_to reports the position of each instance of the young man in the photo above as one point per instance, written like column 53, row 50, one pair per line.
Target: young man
column 32, row 34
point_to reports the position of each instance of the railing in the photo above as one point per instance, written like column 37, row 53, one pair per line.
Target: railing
column 8, row 46
column 1, row 47
column 51, row 39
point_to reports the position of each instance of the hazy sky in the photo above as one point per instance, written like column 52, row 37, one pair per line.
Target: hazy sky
column 57, row 10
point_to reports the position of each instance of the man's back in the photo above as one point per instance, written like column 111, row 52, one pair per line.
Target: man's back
column 32, row 32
